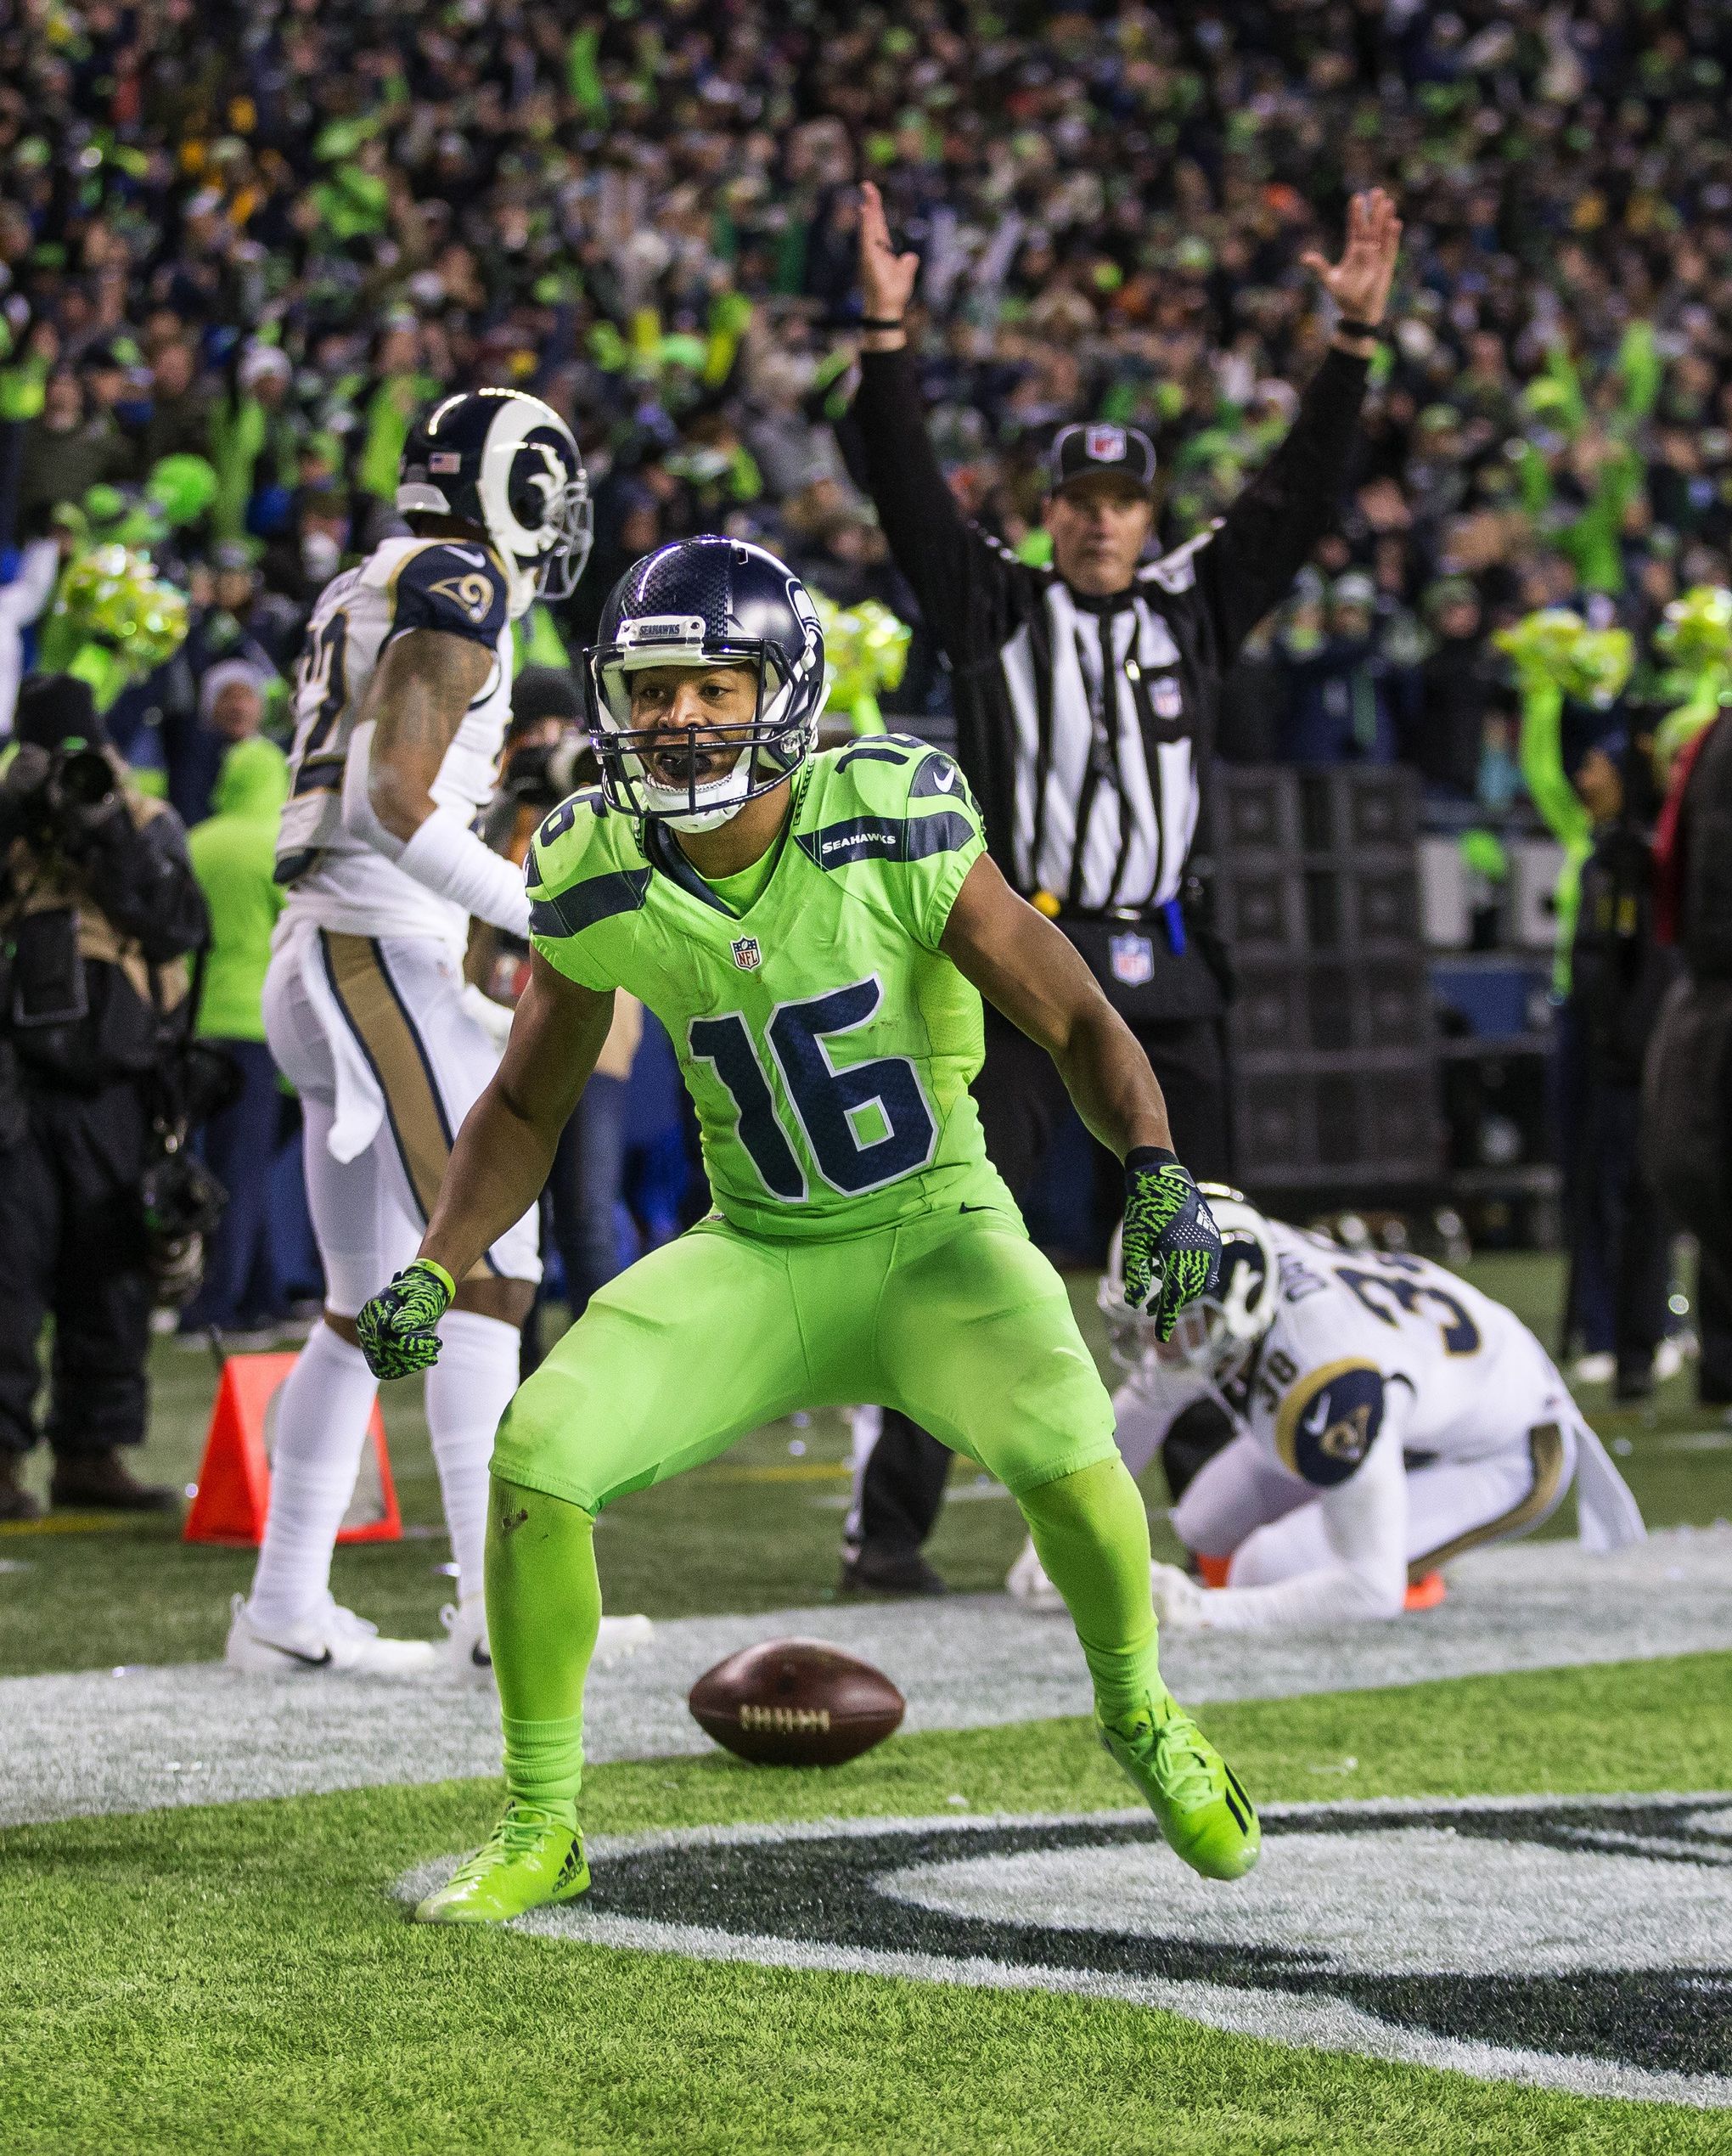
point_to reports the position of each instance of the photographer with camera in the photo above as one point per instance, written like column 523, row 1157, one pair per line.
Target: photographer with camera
column 99, row 910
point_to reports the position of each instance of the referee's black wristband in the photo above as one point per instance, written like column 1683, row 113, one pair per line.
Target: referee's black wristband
column 881, row 322
column 1346, row 329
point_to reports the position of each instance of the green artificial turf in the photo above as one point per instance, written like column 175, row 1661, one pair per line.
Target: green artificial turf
column 758, row 1530
column 240, row 1977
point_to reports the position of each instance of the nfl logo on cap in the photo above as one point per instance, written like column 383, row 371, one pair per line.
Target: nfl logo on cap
column 747, row 955
column 1100, row 447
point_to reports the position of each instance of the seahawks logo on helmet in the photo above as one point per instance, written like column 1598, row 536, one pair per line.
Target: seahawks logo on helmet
column 705, row 602
column 507, row 464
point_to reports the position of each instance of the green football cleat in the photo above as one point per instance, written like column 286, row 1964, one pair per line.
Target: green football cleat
column 1207, row 1819
column 533, row 1857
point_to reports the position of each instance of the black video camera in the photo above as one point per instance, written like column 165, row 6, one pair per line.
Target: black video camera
column 54, row 799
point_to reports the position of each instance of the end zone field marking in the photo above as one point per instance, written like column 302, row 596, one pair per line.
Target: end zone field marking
column 1574, row 1943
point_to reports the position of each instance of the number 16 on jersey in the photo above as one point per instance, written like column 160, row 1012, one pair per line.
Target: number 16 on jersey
column 867, row 1125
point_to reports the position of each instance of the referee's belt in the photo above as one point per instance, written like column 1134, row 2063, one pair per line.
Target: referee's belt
column 1168, row 917
column 1147, row 964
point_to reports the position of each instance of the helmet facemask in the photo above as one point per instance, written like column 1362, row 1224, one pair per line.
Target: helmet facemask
column 555, row 504
column 646, row 771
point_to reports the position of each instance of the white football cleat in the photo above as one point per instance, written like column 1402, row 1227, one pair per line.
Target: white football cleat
column 1026, row 1582
column 1670, row 1356
column 623, row 1635
column 465, row 1655
column 332, row 1639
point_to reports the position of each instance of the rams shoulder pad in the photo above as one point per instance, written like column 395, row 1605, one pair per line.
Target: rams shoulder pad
column 452, row 586
column 1328, row 1420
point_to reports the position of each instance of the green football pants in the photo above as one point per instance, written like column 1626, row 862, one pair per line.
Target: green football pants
column 954, row 1317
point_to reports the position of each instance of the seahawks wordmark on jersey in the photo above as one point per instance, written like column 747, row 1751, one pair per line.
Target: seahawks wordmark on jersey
column 827, row 1043
column 335, row 877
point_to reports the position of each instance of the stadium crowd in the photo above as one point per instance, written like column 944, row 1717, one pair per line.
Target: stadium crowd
column 264, row 240
column 239, row 250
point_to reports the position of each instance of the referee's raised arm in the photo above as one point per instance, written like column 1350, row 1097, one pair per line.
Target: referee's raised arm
column 1264, row 541
column 966, row 584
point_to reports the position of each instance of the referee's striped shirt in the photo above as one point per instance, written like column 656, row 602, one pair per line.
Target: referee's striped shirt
column 1084, row 725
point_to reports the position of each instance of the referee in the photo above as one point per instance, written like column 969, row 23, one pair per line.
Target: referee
column 1085, row 697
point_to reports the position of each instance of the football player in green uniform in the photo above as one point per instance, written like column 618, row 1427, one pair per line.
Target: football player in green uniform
column 815, row 931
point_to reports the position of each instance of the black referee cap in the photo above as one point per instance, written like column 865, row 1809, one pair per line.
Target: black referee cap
column 1096, row 447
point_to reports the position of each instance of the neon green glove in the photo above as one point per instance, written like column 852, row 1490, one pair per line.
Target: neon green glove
column 398, row 1328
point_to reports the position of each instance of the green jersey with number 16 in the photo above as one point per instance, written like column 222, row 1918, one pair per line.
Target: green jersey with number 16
column 827, row 1042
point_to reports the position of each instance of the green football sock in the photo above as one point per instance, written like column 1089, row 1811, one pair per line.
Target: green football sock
column 1092, row 1535
column 543, row 1612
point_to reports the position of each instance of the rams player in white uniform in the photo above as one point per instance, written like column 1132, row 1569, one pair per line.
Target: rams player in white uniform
column 401, row 706
column 1385, row 1416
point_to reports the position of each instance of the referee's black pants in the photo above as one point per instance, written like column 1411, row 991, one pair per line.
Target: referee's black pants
column 1021, row 1100
column 73, row 1247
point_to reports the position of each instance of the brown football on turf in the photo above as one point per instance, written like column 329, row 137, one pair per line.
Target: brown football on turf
column 795, row 1704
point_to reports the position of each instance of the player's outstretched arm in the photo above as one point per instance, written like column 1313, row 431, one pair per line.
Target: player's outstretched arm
column 497, row 1167
column 1025, row 968
column 1363, row 1576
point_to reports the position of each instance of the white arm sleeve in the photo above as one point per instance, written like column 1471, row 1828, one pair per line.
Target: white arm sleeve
column 452, row 862
column 1362, row 1572
column 444, row 854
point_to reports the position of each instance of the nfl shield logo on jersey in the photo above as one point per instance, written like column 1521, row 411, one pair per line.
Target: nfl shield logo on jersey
column 747, row 955
column 1132, row 959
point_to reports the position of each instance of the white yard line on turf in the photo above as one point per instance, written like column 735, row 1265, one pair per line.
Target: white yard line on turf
column 138, row 1739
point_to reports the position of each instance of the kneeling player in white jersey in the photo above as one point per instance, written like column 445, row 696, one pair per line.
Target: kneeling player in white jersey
column 400, row 704
column 1386, row 1417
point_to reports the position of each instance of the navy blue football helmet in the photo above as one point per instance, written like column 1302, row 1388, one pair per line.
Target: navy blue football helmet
column 507, row 464
column 709, row 602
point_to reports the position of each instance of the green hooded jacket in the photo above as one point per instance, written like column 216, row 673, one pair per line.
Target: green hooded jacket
column 234, row 858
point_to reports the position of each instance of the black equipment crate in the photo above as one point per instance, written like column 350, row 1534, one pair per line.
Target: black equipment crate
column 1346, row 811
column 1254, row 809
column 1363, row 903
column 1261, row 905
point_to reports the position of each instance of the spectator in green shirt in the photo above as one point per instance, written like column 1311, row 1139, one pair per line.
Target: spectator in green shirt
column 233, row 856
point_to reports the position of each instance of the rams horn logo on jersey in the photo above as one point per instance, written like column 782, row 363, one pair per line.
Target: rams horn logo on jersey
column 474, row 594
column 1330, row 1420
column 1346, row 1439
column 747, row 955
